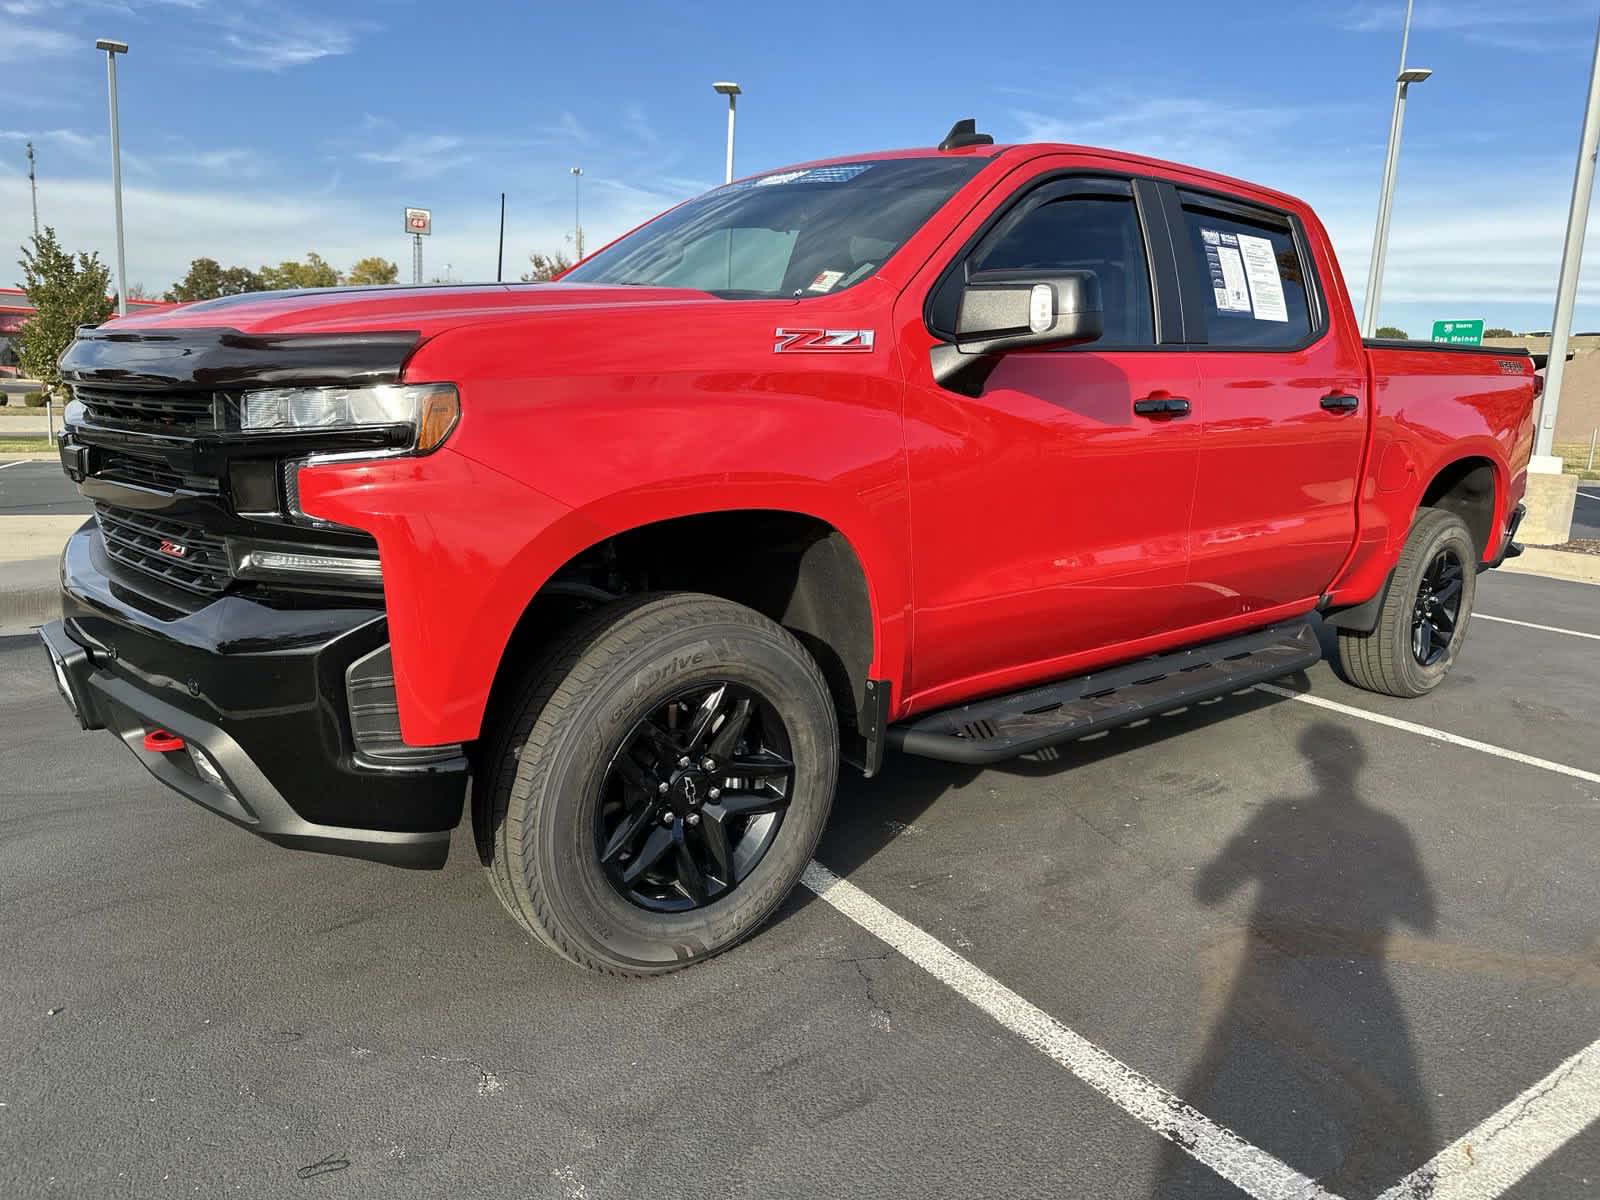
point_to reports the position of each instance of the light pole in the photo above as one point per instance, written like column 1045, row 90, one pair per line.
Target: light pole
column 33, row 186
column 1544, row 460
column 113, row 49
column 577, row 211
column 730, row 90
column 1403, row 80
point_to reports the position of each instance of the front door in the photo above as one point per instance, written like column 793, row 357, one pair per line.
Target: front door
column 1050, row 519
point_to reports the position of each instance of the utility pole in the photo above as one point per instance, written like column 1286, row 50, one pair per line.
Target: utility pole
column 1403, row 80
column 577, row 211
column 1571, row 261
column 500, row 254
column 33, row 186
column 113, row 49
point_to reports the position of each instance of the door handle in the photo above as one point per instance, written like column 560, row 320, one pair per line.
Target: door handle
column 1161, row 406
column 1340, row 402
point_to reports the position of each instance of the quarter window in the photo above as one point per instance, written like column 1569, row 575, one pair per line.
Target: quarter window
column 1082, row 231
column 1252, row 280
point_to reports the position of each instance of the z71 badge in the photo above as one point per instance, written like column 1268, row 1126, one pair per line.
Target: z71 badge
column 826, row 341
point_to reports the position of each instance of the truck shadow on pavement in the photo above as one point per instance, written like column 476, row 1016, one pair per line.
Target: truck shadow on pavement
column 1309, row 1053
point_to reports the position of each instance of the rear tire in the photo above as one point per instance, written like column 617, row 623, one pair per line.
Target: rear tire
column 1423, row 624
column 582, row 790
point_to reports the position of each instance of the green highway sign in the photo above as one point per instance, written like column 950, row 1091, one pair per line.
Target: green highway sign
column 1458, row 333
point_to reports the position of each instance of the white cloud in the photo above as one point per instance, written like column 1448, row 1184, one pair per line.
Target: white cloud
column 420, row 155
column 24, row 43
column 1485, row 22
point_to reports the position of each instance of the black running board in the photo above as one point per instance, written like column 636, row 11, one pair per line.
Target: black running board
column 1002, row 727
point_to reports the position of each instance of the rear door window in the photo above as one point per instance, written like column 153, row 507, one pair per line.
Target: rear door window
column 1252, row 280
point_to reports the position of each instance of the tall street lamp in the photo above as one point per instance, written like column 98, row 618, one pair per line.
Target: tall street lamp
column 577, row 210
column 33, row 186
column 113, row 49
column 1403, row 80
column 730, row 90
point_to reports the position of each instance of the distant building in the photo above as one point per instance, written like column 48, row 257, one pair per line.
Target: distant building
column 15, row 309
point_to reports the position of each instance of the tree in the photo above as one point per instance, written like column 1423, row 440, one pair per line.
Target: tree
column 1497, row 331
column 544, row 267
column 66, row 292
column 314, row 272
column 373, row 270
column 136, row 291
column 207, row 279
column 1393, row 333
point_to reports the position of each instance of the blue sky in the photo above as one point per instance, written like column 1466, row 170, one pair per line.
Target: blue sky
column 255, row 130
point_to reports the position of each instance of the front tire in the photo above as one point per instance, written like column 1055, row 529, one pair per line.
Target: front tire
column 661, row 783
column 1424, row 619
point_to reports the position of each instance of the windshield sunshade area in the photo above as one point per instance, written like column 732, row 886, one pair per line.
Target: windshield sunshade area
column 804, row 232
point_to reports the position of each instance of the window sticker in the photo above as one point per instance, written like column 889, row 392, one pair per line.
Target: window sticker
column 1266, row 286
column 1227, row 271
column 824, row 281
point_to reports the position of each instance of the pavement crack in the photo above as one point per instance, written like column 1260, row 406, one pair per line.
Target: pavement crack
column 488, row 1081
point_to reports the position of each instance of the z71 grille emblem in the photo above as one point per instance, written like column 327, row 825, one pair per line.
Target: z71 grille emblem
column 824, row 341
column 173, row 549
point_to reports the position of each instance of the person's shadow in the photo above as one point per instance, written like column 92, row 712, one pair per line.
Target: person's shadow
column 1311, row 1056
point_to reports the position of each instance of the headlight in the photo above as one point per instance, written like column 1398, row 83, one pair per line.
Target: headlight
column 429, row 410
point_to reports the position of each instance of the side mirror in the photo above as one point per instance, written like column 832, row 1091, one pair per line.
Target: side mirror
column 1016, row 310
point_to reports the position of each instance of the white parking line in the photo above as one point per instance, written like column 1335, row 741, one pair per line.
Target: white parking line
column 1437, row 735
column 1247, row 1167
column 1487, row 1161
column 18, row 463
column 1531, row 625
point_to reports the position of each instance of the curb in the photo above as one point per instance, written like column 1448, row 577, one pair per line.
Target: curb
column 1555, row 564
column 30, row 594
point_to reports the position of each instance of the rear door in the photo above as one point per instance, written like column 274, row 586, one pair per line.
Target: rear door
column 1050, row 517
column 1283, row 403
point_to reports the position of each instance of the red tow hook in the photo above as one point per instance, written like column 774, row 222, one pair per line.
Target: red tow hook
column 162, row 741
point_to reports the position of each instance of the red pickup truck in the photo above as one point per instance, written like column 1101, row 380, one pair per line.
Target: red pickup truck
column 961, row 451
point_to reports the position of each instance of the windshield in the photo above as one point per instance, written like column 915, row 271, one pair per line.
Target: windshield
column 790, row 233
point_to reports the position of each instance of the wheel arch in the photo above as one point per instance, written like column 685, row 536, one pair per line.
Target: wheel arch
column 1471, row 487
column 796, row 568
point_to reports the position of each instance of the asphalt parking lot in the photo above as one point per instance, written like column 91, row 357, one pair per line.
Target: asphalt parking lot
column 34, row 488
column 1586, row 511
column 1366, row 949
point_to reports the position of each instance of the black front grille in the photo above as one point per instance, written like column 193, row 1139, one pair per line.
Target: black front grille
column 166, row 412
column 176, row 552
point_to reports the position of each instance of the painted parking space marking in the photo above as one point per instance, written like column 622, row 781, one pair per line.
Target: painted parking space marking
column 18, row 463
column 1530, row 625
column 1438, row 735
column 1490, row 1159
column 1247, row 1167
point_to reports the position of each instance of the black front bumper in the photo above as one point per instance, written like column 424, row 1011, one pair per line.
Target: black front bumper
column 259, row 687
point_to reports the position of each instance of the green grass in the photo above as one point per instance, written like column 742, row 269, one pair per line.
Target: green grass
column 22, row 445
column 1575, row 457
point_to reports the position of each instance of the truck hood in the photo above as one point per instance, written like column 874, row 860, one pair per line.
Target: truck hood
column 427, row 310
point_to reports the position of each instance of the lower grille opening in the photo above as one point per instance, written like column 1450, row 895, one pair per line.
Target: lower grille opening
column 173, row 551
column 375, row 715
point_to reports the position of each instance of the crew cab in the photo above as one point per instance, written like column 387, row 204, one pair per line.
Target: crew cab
column 959, row 452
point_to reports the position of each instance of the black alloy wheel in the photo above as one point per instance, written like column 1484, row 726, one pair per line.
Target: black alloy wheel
column 693, row 797
column 1437, row 608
